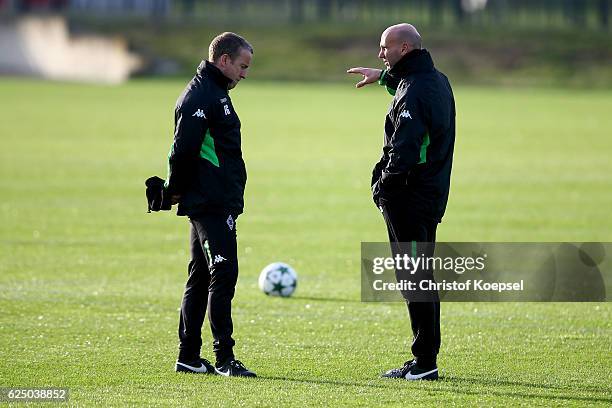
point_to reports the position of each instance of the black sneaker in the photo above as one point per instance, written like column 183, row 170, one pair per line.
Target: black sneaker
column 200, row 366
column 234, row 368
column 411, row 371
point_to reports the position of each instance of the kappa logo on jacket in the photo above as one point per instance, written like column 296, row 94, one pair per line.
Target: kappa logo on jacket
column 218, row 258
column 405, row 114
column 199, row 113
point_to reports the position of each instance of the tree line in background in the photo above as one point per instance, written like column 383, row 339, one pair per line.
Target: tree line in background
column 575, row 12
column 541, row 13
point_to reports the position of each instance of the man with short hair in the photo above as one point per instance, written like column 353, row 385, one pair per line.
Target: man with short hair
column 411, row 182
column 206, row 177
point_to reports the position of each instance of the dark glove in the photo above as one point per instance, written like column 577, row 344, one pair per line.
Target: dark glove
column 389, row 187
column 393, row 180
column 158, row 197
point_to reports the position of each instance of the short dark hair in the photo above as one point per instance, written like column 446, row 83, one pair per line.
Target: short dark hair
column 227, row 43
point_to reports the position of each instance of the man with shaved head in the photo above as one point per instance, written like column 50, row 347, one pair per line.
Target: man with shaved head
column 411, row 182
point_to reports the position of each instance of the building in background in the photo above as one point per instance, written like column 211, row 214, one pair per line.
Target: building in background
column 43, row 47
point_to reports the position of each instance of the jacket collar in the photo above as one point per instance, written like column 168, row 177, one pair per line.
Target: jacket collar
column 206, row 68
column 414, row 61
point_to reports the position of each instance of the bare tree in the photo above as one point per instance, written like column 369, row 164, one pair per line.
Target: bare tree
column 296, row 11
column 436, row 10
column 324, row 8
column 459, row 11
column 575, row 11
column 604, row 13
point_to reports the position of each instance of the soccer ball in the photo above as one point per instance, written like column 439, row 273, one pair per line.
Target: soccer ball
column 278, row 279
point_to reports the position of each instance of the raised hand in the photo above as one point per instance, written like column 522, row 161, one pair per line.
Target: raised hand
column 370, row 75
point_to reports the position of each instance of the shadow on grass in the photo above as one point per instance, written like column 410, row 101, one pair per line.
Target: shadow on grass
column 323, row 299
column 391, row 384
column 506, row 383
column 324, row 382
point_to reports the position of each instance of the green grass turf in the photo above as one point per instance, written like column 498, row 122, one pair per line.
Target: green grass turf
column 90, row 284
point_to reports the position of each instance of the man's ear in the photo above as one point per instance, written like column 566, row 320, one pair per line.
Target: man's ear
column 224, row 60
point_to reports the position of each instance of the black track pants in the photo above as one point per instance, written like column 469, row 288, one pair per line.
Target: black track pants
column 213, row 273
column 406, row 227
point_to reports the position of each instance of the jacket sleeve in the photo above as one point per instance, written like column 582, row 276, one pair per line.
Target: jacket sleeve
column 388, row 81
column 406, row 142
column 378, row 168
column 190, row 124
column 376, row 175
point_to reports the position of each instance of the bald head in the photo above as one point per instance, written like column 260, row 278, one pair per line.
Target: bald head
column 406, row 33
column 397, row 41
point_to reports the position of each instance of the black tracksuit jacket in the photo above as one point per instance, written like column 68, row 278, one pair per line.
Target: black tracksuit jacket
column 417, row 155
column 205, row 165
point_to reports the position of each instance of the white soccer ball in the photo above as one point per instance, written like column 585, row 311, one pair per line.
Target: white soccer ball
column 278, row 279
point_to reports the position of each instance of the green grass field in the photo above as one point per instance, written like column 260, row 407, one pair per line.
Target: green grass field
column 90, row 284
